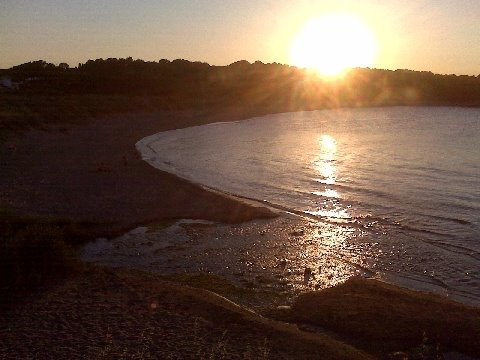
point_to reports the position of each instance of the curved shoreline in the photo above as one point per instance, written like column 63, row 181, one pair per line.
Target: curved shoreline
column 92, row 173
column 111, row 190
column 157, row 155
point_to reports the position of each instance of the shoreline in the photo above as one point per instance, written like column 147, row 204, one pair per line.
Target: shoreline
column 414, row 279
column 111, row 191
column 93, row 173
column 268, row 254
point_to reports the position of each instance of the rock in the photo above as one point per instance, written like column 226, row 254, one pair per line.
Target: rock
column 300, row 232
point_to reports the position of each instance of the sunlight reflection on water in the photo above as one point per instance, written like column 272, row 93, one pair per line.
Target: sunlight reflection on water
column 284, row 254
column 324, row 163
column 383, row 171
column 327, row 193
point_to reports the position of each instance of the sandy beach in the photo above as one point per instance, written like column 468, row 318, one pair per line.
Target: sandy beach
column 94, row 173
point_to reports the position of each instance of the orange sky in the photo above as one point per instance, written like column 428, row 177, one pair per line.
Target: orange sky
column 439, row 36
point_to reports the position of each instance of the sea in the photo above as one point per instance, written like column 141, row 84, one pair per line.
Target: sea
column 403, row 180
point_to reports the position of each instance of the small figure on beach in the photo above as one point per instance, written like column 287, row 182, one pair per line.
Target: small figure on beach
column 282, row 264
column 307, row 274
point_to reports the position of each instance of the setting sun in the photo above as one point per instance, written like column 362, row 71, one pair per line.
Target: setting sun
column 333, row 43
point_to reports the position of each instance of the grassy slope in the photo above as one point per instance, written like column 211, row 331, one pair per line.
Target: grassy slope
column 133, row 314
column 106, row 313
column 382, row 317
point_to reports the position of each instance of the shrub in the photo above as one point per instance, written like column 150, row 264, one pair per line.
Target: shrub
column 33, row 256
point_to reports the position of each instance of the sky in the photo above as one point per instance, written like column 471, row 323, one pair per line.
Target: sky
column 442, row 36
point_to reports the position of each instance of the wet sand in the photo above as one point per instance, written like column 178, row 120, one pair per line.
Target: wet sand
column 94, row 173
column 287, row 254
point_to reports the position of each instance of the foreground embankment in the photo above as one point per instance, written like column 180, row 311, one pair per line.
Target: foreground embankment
column 115, row 313
column 105, row 313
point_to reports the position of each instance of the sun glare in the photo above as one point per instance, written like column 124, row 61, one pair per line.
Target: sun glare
column 334, row 43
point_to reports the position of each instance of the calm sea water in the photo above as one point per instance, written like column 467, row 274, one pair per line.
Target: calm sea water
column 407, row 179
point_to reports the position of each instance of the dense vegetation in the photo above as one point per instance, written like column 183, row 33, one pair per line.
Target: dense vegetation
column 38, row 251
column 33, row 254
column 180, row 84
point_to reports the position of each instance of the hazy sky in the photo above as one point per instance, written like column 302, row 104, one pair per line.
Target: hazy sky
column 438, row 35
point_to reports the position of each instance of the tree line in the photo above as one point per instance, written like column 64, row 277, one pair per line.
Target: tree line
column 182, row 84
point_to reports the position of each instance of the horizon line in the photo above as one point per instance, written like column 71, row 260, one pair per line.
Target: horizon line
column 240, row 61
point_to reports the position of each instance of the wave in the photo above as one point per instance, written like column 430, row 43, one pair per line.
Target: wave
column 452, row 219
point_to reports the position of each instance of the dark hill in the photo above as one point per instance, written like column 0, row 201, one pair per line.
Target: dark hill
column 272, row 87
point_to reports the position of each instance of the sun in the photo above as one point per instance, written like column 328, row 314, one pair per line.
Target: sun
column 333, row 43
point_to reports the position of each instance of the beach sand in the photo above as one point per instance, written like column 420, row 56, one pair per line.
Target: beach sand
column 94, row 173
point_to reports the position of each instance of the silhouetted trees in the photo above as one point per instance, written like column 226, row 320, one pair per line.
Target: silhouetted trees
column 181, row 83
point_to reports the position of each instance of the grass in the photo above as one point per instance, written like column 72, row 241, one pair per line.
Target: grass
column 75, row 233
column 374, row 316
column 260, row 300
column 383, row 318
column 34, row 253
column 33, row 257
column 214, row 283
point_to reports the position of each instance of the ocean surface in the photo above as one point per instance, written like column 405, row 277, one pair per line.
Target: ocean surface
column 401, row 185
